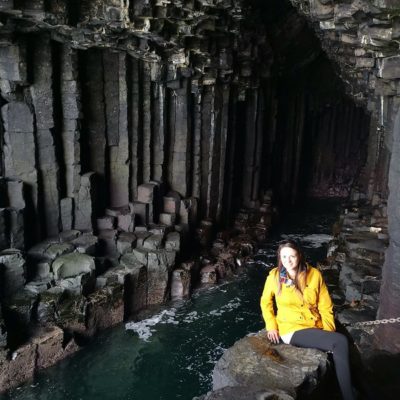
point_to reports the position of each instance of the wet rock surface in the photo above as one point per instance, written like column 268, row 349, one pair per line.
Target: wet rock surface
column 65, row 289
column 256, row 366
column 354, row 270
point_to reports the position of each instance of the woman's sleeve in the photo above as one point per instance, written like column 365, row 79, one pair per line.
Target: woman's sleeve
column 325, row 307
column 267, row 304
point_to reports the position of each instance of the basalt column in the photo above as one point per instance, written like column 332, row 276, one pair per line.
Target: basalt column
column 134, row 125
column 94, row 134
column 43, row 105
column 71, row 109
column 389, row 334
column 115, row 95
column 253, row 148
column 179, row 151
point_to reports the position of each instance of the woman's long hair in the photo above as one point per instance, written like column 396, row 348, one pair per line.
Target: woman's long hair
column 301, row 275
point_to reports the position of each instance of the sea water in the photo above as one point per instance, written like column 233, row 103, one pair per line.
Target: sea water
column 171, row 353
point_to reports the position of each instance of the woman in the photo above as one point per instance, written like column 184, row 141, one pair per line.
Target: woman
column 304, row 315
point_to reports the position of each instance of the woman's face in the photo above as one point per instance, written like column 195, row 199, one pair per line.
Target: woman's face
column 290, row 260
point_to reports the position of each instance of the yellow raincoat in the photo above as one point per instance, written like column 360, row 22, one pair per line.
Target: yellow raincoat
column 295, row 312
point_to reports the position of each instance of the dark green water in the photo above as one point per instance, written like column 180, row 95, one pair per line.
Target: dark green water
column 174, row 353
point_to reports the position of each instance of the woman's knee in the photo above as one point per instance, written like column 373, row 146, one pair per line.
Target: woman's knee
column 340, row 343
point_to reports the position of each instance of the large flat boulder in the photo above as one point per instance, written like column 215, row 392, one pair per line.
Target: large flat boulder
column 255, row 363
column 245, row 393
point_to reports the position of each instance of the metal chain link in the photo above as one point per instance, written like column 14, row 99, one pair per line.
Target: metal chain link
column 375, row 322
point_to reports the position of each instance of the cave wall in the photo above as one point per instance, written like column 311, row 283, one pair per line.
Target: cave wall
column 130, row 108
column 109, row 102
column 99, row 97
column 361, row 39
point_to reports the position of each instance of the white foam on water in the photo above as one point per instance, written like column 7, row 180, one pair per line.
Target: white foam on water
column 232, row 305
column 314, row 240
column 143, row 328
column 192, row 316
column 146, row 328
column 317, row 239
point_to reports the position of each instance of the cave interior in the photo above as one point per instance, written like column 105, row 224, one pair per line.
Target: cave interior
column 119, row 115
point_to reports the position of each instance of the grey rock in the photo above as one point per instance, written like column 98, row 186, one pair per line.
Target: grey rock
column 389, row 68
column 67, row 213
column 246, row 393
column 51, row 347
column 188, row 211
column 154, row 242
column 71, row 312
column 140, row 256
column 84, row 203
column 159, row 229
column 254, row 362
column 69, row 235
column 115, row 211
column 4, row 236
column 353, row 292
column 84, row 283
column 15, row 193
column 3, row 332
column 105, row 308
column 57, row 249
column 146, row 193
column 13, row 63
column 108, row 242
column 38, row 251
column 126, row 222
column 45, row 148
column 141, row 211
column 17, row 227
column 173, row 241
column 141, row 228
column 167, row 219
column 115, row 275
column 136, row 289
column 172, row 203
column 42, row 270
column 86, row 243
column 159, row 266
column 126, row 242
column 71, row 265
column 39, row 286
column 131, row 261
column 106, row 222
column 180, row 284
column 22, row 306
column 141, row 238
column 47, row 309
column 19, row 369
column 208, row 275
column 12, row 276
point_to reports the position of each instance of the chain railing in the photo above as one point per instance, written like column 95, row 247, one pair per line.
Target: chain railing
column 375, row 322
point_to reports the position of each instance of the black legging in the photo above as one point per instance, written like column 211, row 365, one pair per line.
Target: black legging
column 338, row 345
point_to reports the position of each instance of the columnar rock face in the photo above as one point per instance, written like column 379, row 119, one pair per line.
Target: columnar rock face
column 186, row 97
column 361, row 37
column 142, row 118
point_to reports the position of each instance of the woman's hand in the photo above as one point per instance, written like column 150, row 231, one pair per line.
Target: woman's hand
column 273, row 336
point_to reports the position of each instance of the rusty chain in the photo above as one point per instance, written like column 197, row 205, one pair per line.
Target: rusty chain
column 375, row 322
